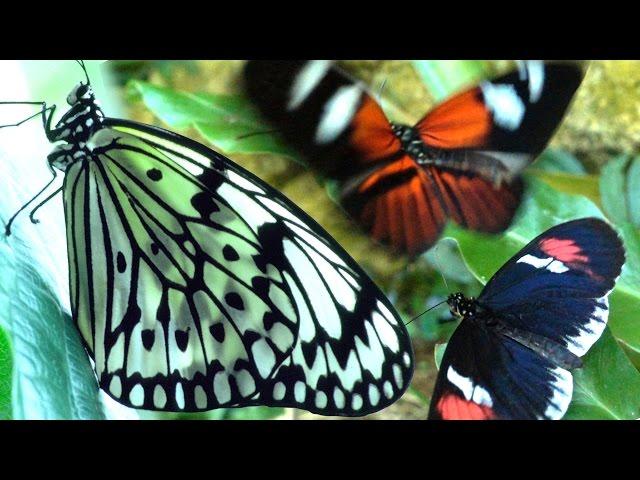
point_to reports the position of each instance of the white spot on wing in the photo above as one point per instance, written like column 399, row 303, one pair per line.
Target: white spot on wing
column 264, row 357
column 374, row 394
column 475, row 393
column 136, row 396
column 534, row 70
column 279, row 391
column 591, row 331
column 321, row 399
column 562, row 392
column 243, row 182
column 337, row 114
column 338, row 398
column 300, row 391
column 309, row 76
column 115, row 386
column 386, row 332
column 221, row 387
column 504, row 103
column 554, row 266
column 159, row 396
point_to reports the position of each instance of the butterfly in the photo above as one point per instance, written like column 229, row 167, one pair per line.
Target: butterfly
column 401, row 183
column 510, row 356
column 195, row 285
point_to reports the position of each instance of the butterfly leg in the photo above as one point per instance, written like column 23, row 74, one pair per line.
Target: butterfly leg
column 35, row 209
column 7, row 230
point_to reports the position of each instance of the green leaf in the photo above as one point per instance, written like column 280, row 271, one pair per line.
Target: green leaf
column 559, row 160
column 444, row 77
column 620, row 189
column 612, row 189
column 52, row 375
column 229, row 122
column 438, row 353
column 633, row 191
column 6, row 375
column 544, row 207
column 608, row 385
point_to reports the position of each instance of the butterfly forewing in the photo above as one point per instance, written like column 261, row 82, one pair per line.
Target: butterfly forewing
column 557, row 286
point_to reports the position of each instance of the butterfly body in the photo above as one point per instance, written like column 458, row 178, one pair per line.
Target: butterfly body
column 511, row 354
column 194, row 285
column 401, row 183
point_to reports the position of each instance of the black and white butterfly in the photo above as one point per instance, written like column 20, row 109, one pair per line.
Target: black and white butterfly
column 510, row 356
column 195, row 285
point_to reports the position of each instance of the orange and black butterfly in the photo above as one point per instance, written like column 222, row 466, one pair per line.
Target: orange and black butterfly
column 401, row 183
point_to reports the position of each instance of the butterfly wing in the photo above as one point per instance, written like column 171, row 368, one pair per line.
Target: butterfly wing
column 557, row 286
column 497, row 128
column 484, row 376
column 406, row 205
column 242, row 251
column 327, row 115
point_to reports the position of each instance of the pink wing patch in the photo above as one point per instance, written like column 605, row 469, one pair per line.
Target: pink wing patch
column 563, row 250
column 569, row 253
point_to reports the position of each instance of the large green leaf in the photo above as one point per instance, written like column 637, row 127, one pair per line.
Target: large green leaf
column 230, row 122
column 52, row 376
column 608, row 385
column 620, row 189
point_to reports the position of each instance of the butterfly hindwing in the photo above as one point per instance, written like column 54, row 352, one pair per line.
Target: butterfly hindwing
column 488, row 377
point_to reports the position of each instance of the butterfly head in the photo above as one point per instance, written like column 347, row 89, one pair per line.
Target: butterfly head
column 81, row 93
column 460, row 306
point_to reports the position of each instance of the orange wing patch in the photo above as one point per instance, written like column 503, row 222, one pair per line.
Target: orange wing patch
column 371, row 134
column 473, row 202
column 397, row 207
column 460, row 122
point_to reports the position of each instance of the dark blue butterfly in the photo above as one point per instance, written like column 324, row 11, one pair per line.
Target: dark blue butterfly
column 510, row 356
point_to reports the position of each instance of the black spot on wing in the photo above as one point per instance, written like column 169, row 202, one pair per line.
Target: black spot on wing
column 154, row 174
column 204, row 204
column 234, row 300
column 182, row 339
column 148, row 338
column 217, row 332
column 230, row 253
column 121, row 262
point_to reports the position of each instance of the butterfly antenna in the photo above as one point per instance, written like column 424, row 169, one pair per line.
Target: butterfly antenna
column 426, row 311
column 84, row 69
column 253, row 134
